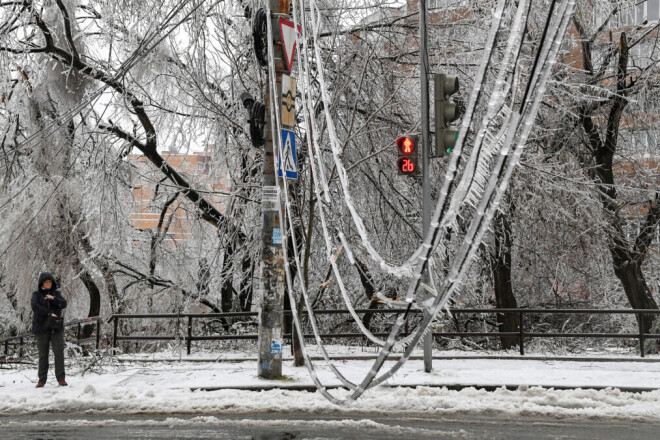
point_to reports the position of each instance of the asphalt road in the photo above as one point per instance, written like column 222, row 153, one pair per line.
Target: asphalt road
column 279, row 426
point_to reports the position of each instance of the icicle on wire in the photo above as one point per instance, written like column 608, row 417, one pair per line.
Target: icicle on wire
column 316, row 153
column 406, row 269
column 389, row 343
column 277, row 152
column 549, row 53
column 480, row 227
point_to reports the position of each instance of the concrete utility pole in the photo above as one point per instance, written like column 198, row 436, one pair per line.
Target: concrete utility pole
column 426, row 151
column 271, row 315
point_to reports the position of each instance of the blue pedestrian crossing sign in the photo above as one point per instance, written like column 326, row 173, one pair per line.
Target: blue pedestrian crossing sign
column 288, row 162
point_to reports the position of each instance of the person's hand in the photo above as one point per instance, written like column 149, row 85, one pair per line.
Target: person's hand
column 53, row 315
column 50, row 297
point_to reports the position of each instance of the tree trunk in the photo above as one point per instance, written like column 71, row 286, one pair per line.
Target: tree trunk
column 246, row 286
column 627, row 257
column 289, row 328
column 637, row 290
column 366, row 319
column 369, row 291
column 298, row 359
column 501, row 266
column 227, row 289
column 94, row 302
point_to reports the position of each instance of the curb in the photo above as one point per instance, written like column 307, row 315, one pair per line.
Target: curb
column 416, row 358
column 451, row 387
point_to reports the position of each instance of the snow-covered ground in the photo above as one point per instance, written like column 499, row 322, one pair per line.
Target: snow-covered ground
column 165, row 387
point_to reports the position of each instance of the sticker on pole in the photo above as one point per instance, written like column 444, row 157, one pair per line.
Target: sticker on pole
column 289, row 32
column 270, row 194
column 277, row 236
column 270, row 199
column 288, row 101
column 275, row 347
column 288, row 162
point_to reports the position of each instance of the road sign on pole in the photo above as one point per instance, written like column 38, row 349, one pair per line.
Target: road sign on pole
column 289, row 32
column 288, row 101
column 288, row 162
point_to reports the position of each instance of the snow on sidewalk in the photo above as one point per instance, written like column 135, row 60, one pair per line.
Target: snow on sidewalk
column 165, row 387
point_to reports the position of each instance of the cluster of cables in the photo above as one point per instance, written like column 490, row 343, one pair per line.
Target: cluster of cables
column 256, row 109
column 481, row 185
column 257, row 118
column 260, row 36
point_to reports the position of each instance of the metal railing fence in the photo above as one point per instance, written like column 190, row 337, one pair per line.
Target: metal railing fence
column 19, row 340
column 521, row 334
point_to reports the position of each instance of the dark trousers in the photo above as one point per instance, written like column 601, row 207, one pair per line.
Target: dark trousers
column 56, row 340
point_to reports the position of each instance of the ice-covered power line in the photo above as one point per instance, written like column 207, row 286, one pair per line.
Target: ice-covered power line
column 485, row 190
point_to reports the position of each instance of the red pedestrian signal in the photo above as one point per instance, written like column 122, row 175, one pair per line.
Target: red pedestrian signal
column 407, row 161
column 407, row 145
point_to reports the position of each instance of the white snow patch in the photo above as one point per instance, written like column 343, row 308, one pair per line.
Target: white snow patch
column 365, row 424
column 164, row 387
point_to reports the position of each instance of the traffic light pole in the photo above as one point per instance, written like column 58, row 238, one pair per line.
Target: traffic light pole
column 426, row 152
column 271, row 314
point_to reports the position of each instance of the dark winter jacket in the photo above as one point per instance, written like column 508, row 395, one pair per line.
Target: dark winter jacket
column 42, row 307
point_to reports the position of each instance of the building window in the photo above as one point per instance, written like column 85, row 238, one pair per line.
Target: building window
column 639, row 144
column 203, row 167
column 444, row 4
column 653, row 10
column 642, row 55
column 644, row 11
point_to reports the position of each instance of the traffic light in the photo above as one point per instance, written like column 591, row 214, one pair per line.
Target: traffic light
column 445, row 113
column 407, row 162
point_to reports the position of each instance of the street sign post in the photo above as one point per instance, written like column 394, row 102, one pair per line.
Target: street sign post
column 288, row 97
column 271, row 314
column 288, row 32
column 288, row 162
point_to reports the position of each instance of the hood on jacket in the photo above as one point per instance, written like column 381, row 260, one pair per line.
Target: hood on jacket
column 46, row 276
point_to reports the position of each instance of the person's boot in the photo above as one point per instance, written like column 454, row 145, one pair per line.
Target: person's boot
column 62, row 383
column 41, row 384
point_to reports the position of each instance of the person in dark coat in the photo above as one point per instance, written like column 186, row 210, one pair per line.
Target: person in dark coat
column 47, row 300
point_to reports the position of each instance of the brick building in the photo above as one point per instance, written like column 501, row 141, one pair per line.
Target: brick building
column 152, row 193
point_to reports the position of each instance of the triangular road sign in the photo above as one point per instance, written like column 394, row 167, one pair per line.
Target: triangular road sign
column 289, row 32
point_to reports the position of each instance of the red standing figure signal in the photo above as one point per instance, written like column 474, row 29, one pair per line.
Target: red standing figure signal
column 407, row 162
